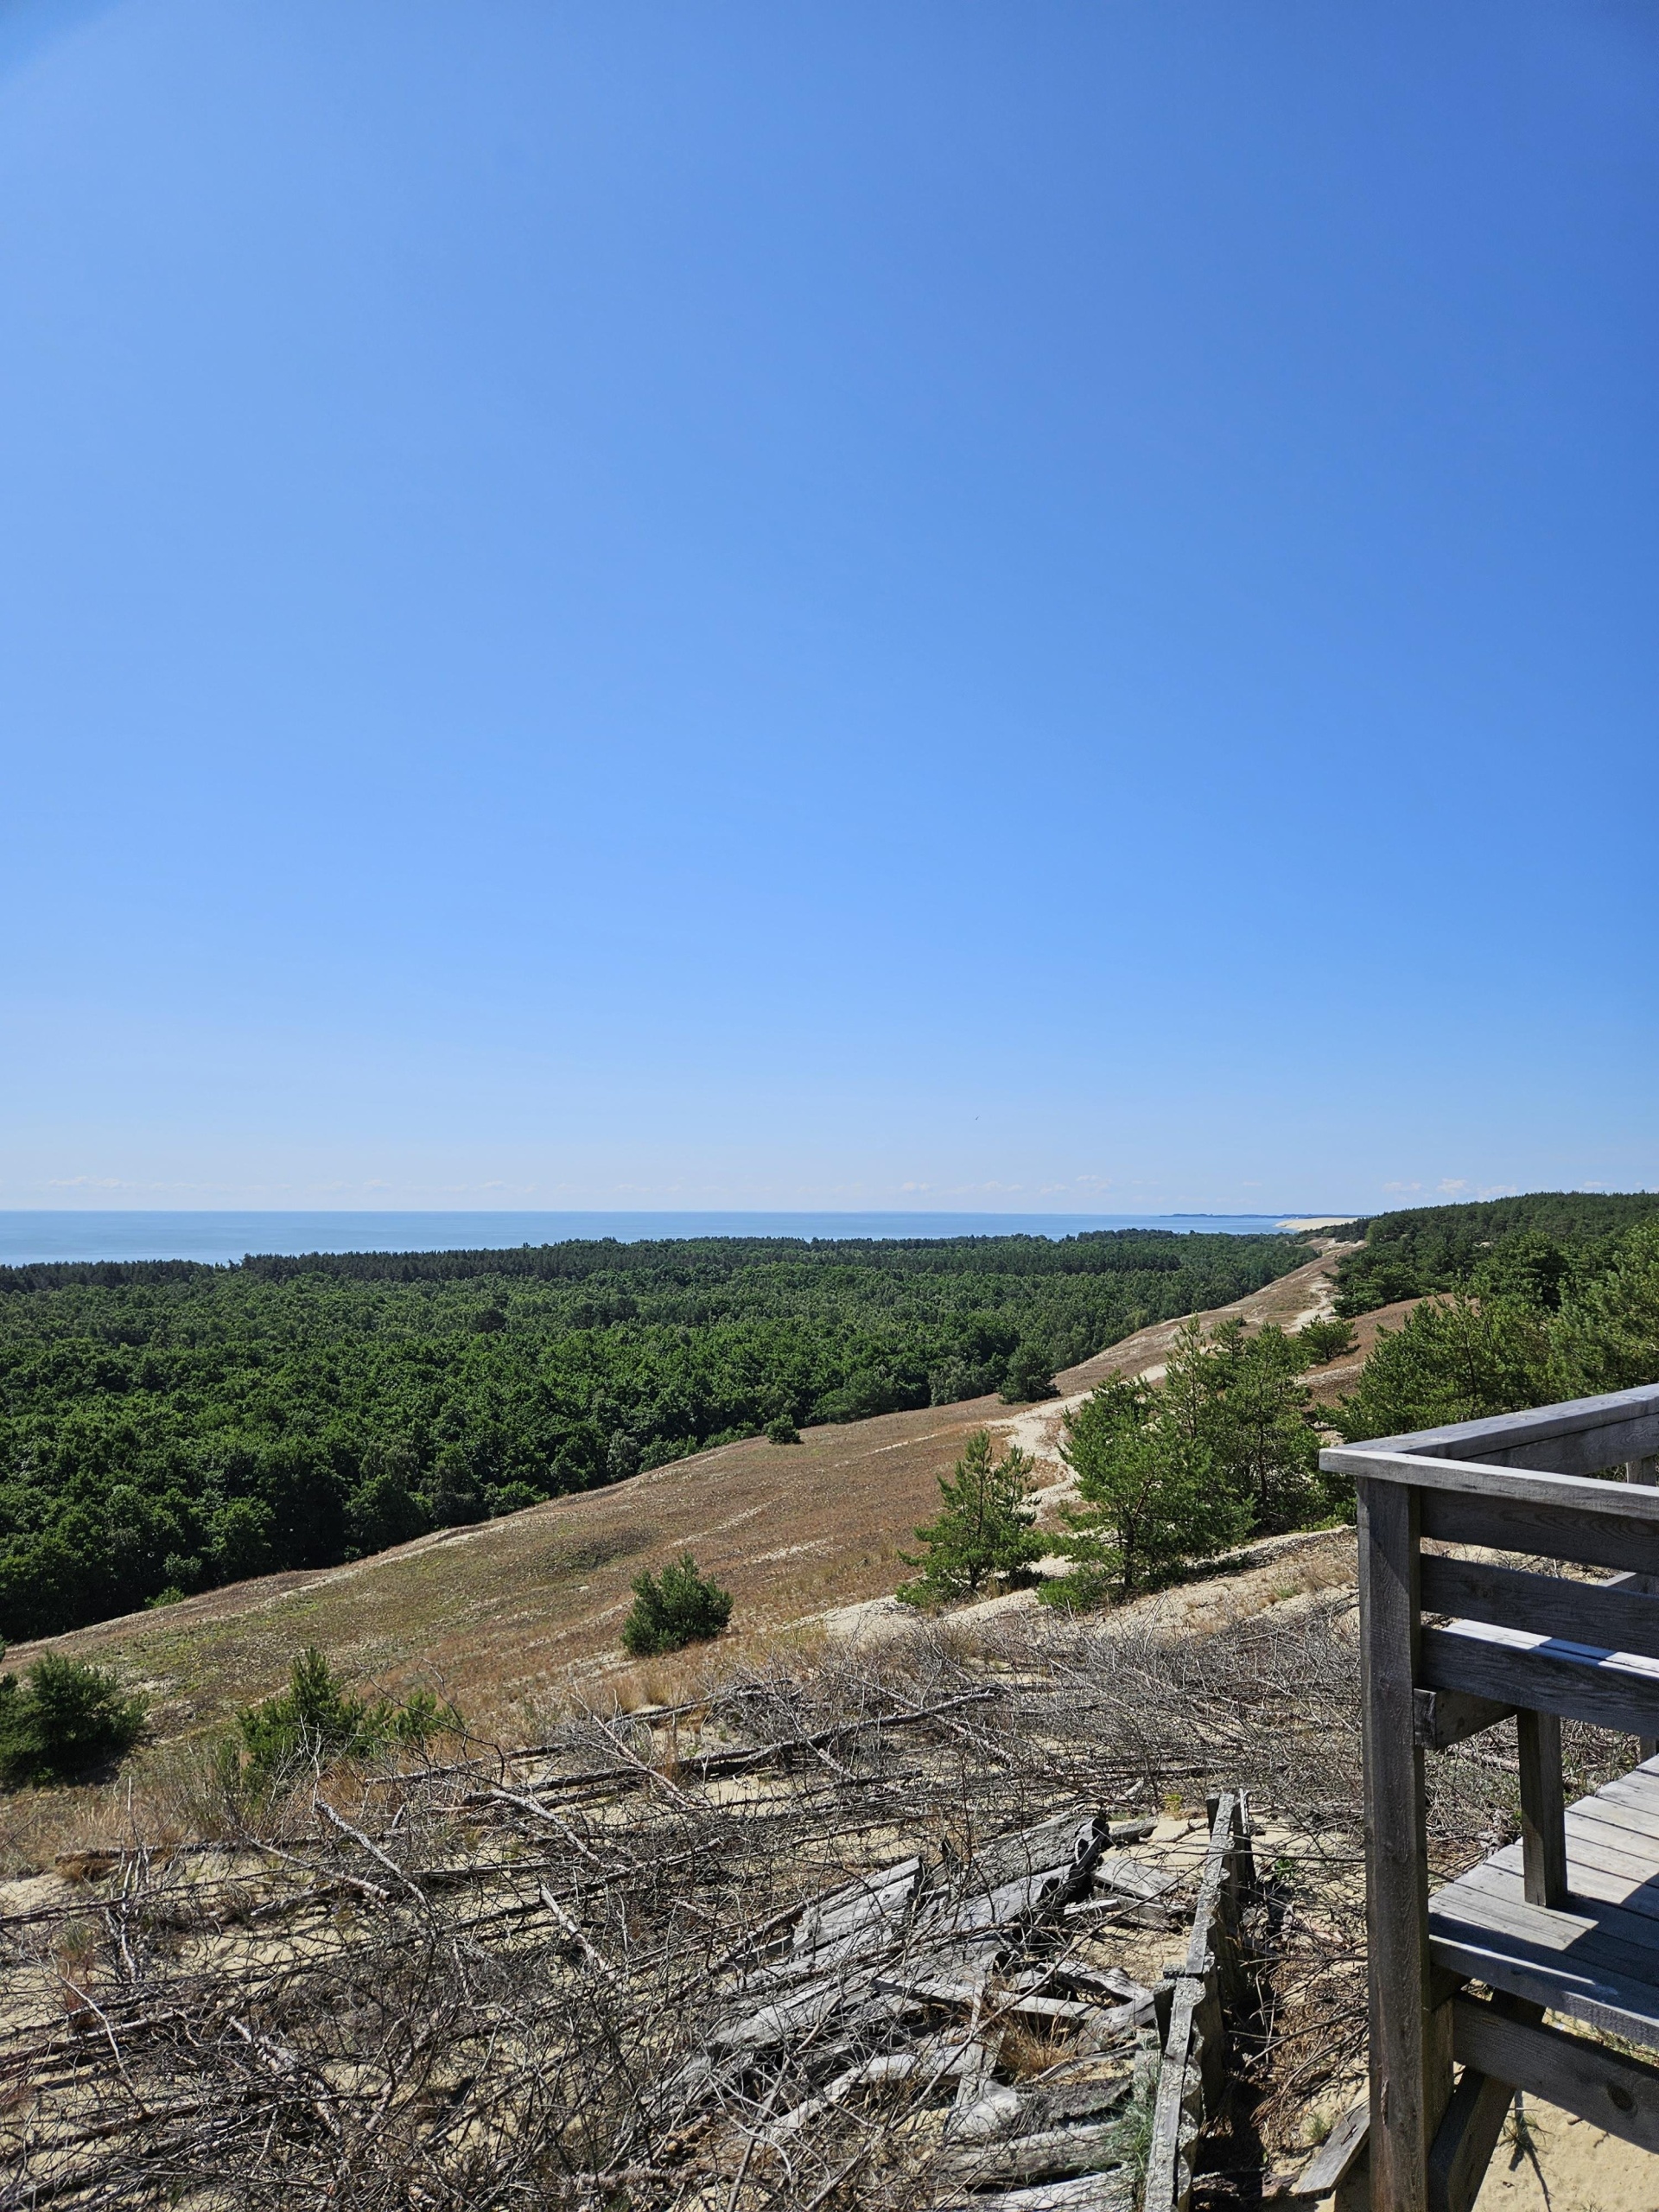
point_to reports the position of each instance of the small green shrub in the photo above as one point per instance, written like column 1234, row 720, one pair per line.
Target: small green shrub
column 316, row 1719
column 511, row 1497
column 782, row 1431
column 65, row 1718
column 679, row 1606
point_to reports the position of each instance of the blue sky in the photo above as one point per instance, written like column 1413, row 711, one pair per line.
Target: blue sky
column 929, row 603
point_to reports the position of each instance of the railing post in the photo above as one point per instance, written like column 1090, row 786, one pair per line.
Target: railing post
column 1643, row 1470
column 1543, row 1809
column 1410, row 2052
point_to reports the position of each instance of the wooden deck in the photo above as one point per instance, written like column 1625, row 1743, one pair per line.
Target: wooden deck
column 1595, row 1959
column 1457, row 1634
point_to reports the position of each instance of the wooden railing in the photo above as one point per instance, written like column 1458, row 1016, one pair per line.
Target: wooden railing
column 1568, row 1484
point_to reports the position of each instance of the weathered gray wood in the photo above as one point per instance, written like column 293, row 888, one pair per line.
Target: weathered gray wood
column 1645, row 1471
column 1587, row 1494
column 1112, row 2192
column 1550, row 1532
column 1442, row 1718
column 1582, row 1963
column 1396, row 1884
column 1337, row 2157
column 1590, row 1931
column 1048, row 2156
column 1543, row 1809
column 1163, row 2158
column 1576, row 1685
column 1635, row 1826
column 1462, row 2150
column 1619, row 1619
column 1593, row 1841
column 1586, row 1452
column 1211, row 1880
column 1601, row 2086
column 1494, row 1433
column 1636, row 1792
column 1603, row 2001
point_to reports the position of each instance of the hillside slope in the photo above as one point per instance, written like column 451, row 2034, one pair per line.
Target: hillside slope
column 504, row 1614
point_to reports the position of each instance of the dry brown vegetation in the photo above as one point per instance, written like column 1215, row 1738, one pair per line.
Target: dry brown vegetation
column 500, row 1980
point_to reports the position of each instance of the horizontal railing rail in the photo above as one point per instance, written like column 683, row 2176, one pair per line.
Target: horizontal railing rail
column 1580, row 1437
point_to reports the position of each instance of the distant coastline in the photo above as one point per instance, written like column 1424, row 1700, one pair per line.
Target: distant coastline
column 30, row 1235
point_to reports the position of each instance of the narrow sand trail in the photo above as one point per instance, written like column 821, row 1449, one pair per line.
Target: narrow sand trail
column 1307, row 1295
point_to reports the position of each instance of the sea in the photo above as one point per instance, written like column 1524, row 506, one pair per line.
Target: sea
column 29, row 1236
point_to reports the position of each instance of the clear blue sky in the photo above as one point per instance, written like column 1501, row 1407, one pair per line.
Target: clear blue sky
column 860, row 602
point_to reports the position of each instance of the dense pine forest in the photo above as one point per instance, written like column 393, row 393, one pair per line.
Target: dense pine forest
column 166, row 1427
column 1441, row 1248
column 1520, row 1303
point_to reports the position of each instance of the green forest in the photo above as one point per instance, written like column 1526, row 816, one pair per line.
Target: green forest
column 1440, row 1248
column 167, row 1427
column 1526, row 1316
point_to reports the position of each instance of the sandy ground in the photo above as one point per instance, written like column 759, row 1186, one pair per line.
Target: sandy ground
column 1556, row 2164
column 1308, row 1295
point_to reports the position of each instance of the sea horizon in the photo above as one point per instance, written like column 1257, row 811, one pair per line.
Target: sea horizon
column 32, row 1235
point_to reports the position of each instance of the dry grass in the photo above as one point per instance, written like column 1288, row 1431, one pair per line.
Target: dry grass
column 503, row 1617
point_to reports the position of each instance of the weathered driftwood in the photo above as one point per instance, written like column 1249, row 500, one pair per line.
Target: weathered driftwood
column 1108, row 2192
column 1191, row 2078
column 1050, row 2154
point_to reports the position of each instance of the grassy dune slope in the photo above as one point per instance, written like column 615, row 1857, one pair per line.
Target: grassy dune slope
column 507, row 1612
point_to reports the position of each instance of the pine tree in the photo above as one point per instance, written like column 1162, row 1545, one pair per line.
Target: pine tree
column 680, row 1606
column 1151, row 1496
column 984, row 1527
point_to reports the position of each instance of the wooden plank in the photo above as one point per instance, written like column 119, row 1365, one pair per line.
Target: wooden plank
column 1543, row 1809
column 1618, row 1827
column 1635, row 1792
column 1589, row 1927
column 1048, row 2154
column 1633, row 1827
column 1496, row 1937
column 1549, row 1532
column 1644, row 1471
column 1164, row 2155
column 1396, row 1875
column 1568, row 1493
column 1501, row 1433
column 1619, row 1619
column 1601, row 2086
column 1602, row 1873
column 1108, row 2192
column 1601, row 2001
column 1201, row 1942
column 1555, row 1678
column 1442, row 1718
column 1462, row 2150
column 1605, row 1450
column 1337, row 2157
